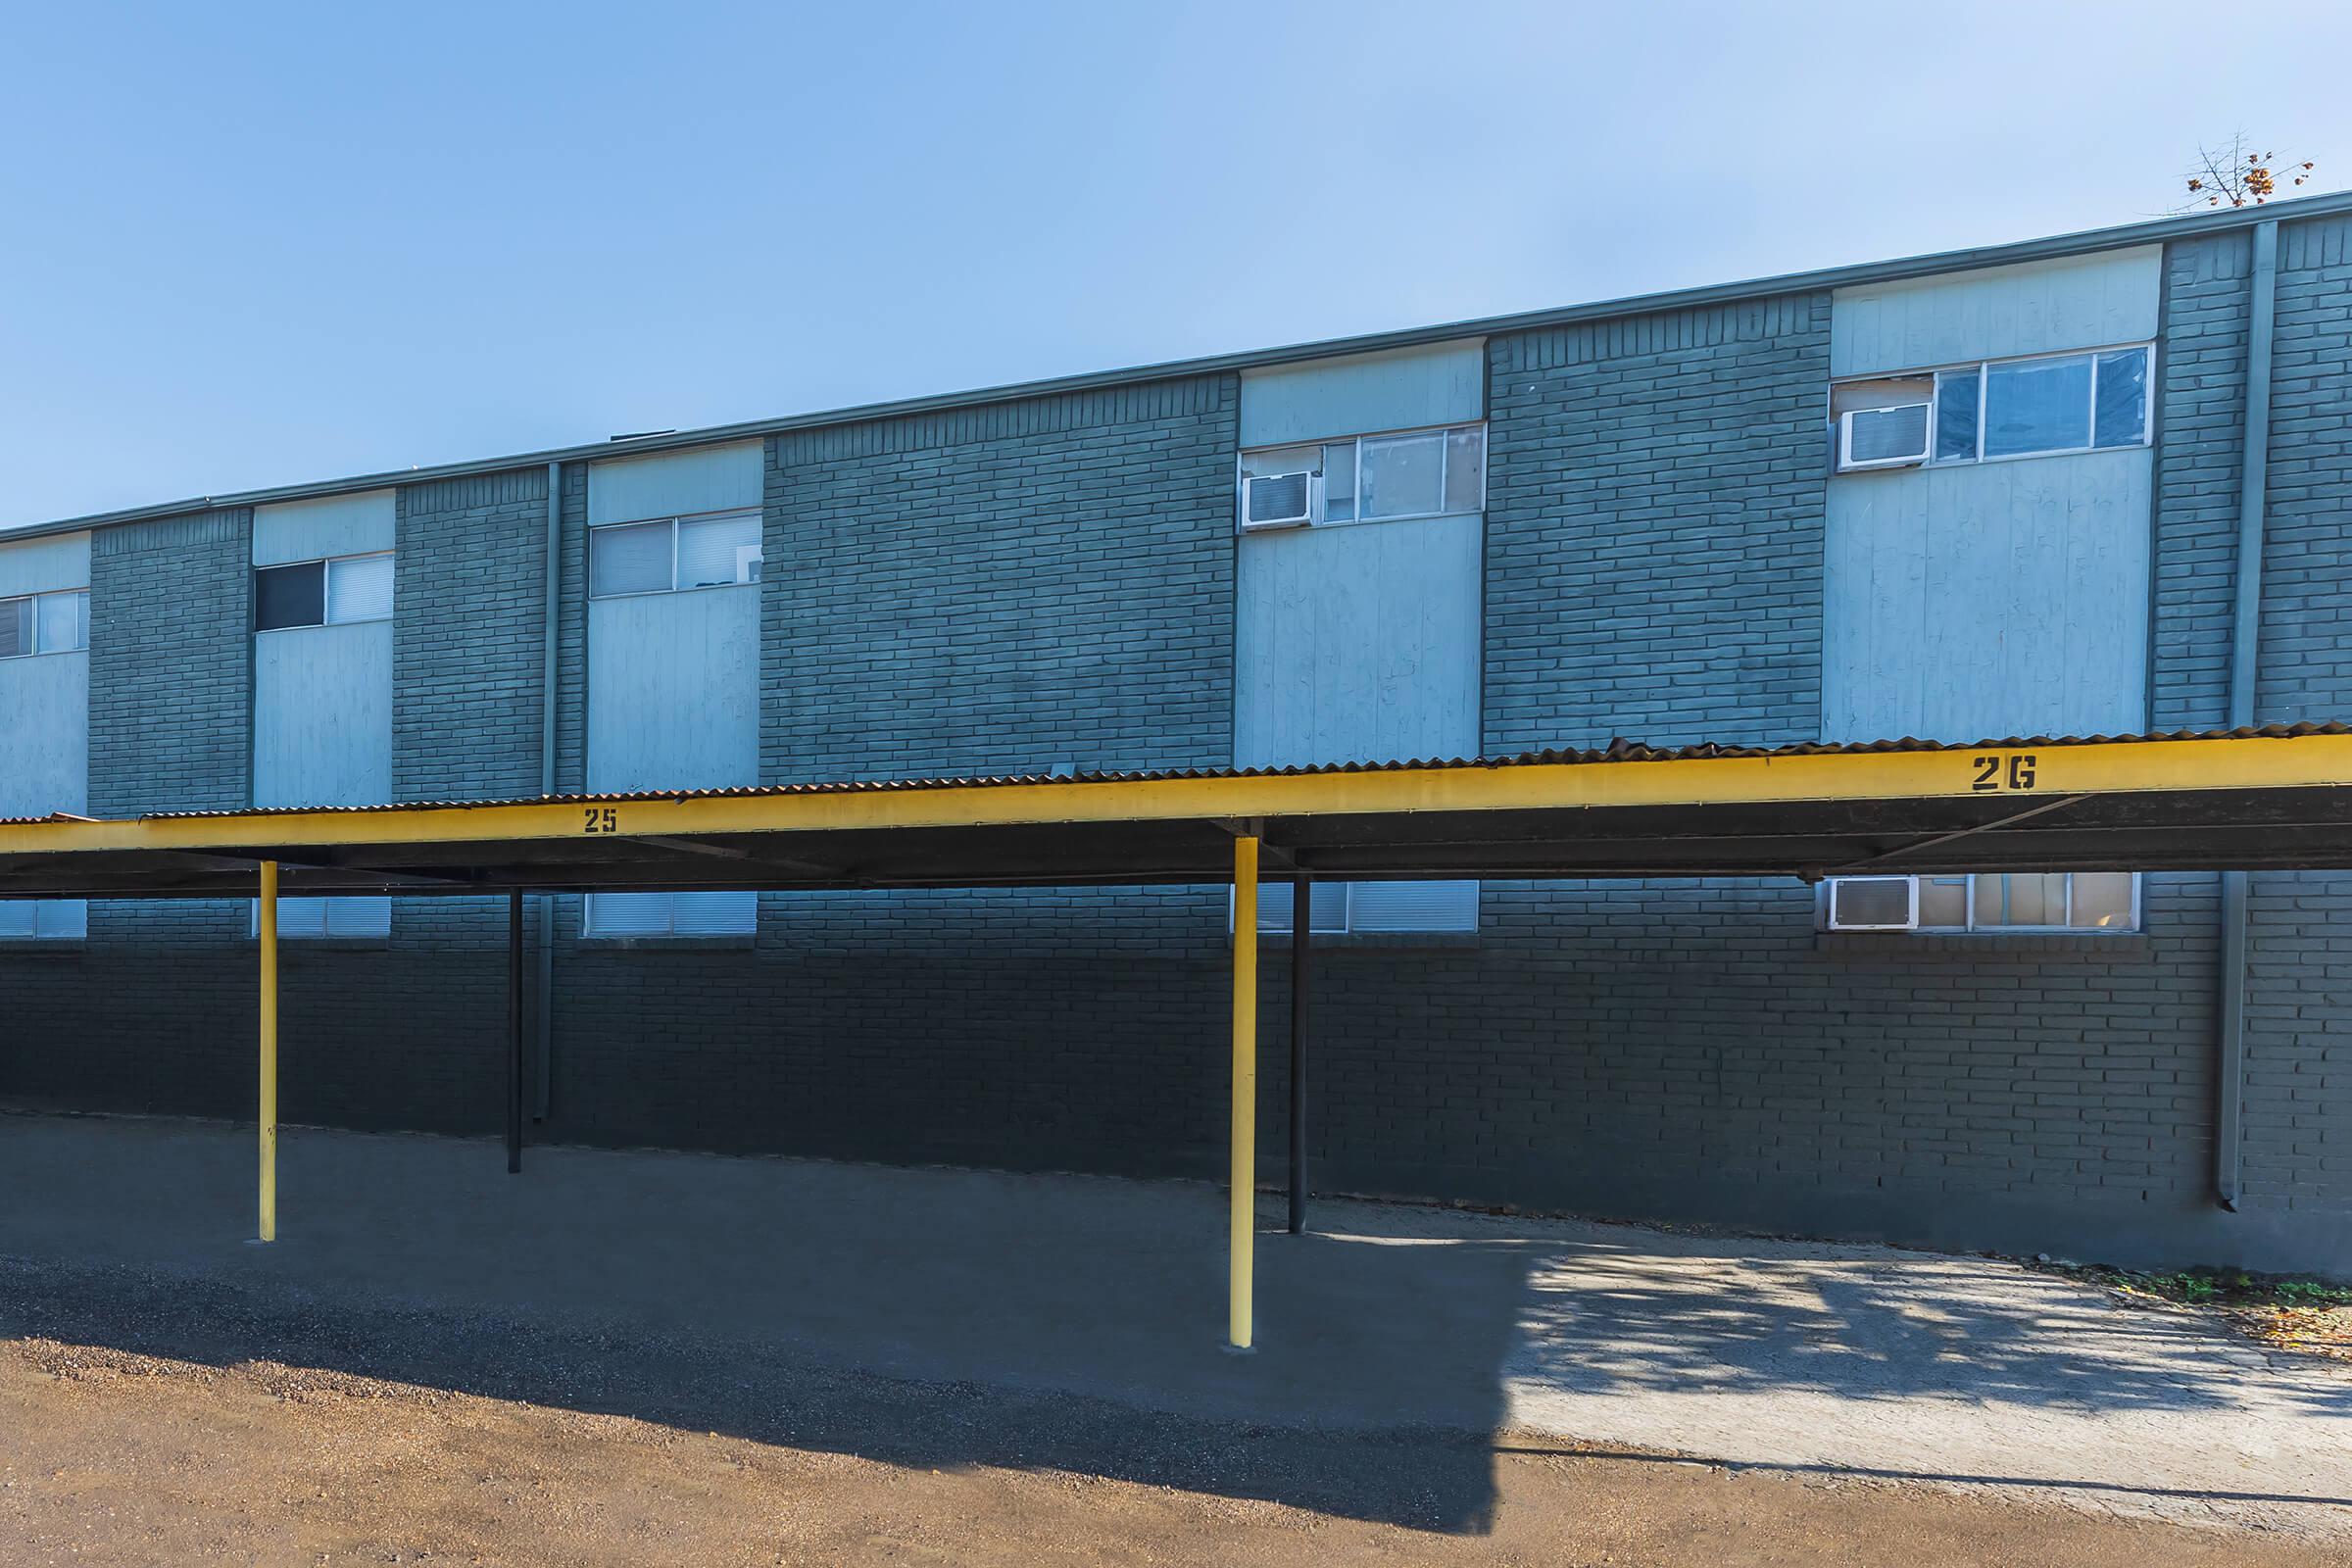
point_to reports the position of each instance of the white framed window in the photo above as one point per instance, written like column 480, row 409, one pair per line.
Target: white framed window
column 44, row 919
column 1371, row 908
column 672, row 915
column 1991, row 409
column 2010, row 901
column 1373, row 478
column 341, row 917
column 330, row 592
column 670, row 554
column 45, row 623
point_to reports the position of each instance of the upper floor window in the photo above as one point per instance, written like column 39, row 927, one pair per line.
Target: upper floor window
column 45, row 623
column 673, row 553
column 1994, row 409
column 1373, row 478
column 322, row 592
column 2012, row 900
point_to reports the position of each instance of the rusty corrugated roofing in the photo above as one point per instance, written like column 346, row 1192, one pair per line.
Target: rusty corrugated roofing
column 1617, row 751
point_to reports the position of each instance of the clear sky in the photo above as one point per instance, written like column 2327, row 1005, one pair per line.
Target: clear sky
column 248, row 245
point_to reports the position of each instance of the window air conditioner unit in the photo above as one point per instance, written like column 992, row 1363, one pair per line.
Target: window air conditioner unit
column 1278, row 500
column 1884, row 438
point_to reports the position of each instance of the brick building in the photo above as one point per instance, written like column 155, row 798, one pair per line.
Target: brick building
column 2001, row 493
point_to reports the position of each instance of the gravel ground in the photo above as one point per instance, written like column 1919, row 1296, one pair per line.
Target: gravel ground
column 236, row 1446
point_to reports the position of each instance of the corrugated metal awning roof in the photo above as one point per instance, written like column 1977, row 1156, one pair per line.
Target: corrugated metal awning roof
column 2277, row 796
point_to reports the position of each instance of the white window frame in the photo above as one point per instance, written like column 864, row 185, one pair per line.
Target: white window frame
column 326, row 592
column 1935, row 375
column 1315, row 485
column 39, row 649
column 1829, row 921
column 752, row 556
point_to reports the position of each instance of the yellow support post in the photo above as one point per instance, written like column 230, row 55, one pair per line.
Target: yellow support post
column 1242, row 1242
column 269, row 934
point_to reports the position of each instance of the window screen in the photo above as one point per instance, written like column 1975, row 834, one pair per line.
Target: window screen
column 1403, row 476
column 62, row 622
column 16, row 628
column 359, row 588
column 668, row 915
column 1956, row 393
column 290, row 596
column 2119, row 416
column 1466, row 470
column 347, row 919
column 1326, row 907
column 2036, row 405
column 1376, row 907
column 44, row 921
column 1871, row 901
column 717, row 550
column 635, row 559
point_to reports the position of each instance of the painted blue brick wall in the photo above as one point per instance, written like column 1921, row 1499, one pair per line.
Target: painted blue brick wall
column 2298, row 1092
column 1655, row 498
column 470, row 637
column 1046, row 581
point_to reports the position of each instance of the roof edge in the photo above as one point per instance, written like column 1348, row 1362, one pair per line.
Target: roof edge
column 2049, row 248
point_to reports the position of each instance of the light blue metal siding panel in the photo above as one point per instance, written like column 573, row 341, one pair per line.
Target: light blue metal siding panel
column 1359, row 644
column 45, row 734
column 41, row 566
column 323, row 715
column 1989, row 600
column 673, row 690
column 675, row 484
column 1364, row 393
column 2044, row 308
column 338, row 525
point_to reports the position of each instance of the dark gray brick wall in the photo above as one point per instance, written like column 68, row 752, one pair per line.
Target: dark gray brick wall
column 2298, row 1092
column 1048, row 581
column 1656, row 489
column 998, row 589
column 470, row 638
column 2201, row 408
column 171, row 665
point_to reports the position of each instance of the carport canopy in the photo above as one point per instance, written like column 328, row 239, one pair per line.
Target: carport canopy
column 2246, row 800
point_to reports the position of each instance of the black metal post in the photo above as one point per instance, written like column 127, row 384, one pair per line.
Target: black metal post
column 1300, row 927
column 515, row 1032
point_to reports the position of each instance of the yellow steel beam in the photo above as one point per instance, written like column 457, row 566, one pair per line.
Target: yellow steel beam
column 1242, row 1216
column 2238, row 762
column 267, row 921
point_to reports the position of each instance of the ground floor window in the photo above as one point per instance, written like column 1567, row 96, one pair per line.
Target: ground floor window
column 44, row 921
column 2014, row 901
column 1372, row 908
column 354, row 919
column 672, row 915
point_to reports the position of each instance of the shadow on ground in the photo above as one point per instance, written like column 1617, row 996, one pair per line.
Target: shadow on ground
column 941, row 1318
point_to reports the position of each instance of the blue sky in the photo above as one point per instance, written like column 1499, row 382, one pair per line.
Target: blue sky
column 255, row 245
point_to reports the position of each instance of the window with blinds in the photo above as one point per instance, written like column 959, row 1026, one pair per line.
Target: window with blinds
column 672, row 915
